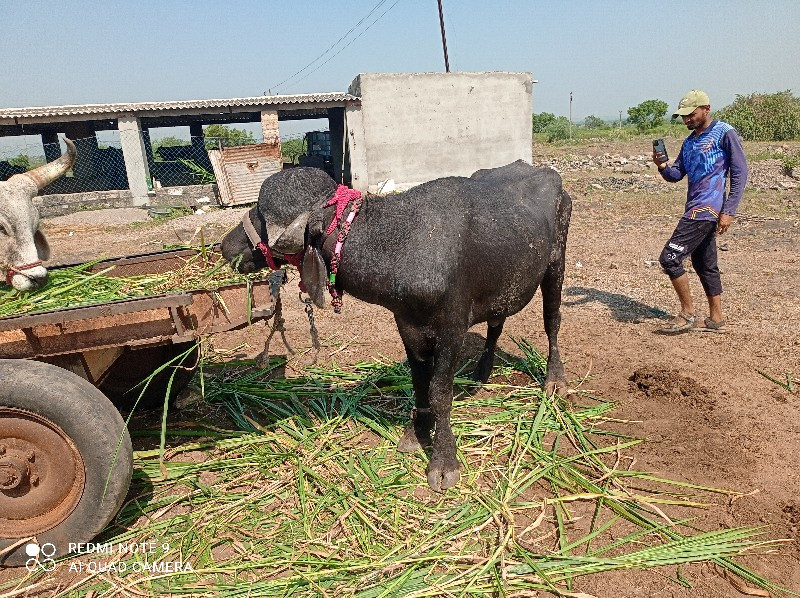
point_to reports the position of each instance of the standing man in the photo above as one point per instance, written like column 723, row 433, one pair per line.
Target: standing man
column 709, row 155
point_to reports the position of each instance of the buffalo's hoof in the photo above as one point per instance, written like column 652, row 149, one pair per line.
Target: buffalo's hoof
column 556, row 385
column 443, row 474
column 481, row 373
column 411, row 442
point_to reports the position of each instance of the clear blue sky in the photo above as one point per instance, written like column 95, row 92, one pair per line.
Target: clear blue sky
column 610, row 55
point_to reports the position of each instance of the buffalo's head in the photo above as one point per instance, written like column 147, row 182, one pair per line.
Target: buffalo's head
column 23, row 246
column 288, row 219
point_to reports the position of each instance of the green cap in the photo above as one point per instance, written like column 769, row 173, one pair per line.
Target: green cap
column 690, row 101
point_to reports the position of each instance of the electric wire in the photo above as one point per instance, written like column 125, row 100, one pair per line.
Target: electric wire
column 337, row 42
column 349, row 43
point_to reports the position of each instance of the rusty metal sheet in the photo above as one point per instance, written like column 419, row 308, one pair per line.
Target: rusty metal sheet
column 92, row 312
column 240, row 171
column 171, row 318
column 227, row 308
column 95, row 333
column 225, row 194
column 145, row 321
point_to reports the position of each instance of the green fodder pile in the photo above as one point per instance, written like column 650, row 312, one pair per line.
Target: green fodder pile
column 310, row 497
column 79, row 285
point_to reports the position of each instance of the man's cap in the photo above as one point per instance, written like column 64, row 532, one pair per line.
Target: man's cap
column 690, row 101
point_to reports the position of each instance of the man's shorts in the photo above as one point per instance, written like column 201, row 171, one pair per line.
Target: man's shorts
column 698, row 239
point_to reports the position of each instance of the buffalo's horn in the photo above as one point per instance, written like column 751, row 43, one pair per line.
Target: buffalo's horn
column 292, row 239
column 47, row 173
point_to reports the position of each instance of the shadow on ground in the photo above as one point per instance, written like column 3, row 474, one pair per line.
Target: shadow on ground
column 623, row 308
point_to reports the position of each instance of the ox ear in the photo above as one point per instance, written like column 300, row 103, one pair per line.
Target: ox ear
column 314, row 275
column 291, row 239
column 42, row 246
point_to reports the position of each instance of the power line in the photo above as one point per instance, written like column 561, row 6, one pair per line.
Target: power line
column 350, row 42
column 353, row 28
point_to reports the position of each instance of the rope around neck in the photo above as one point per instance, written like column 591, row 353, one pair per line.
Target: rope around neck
column 341, row 199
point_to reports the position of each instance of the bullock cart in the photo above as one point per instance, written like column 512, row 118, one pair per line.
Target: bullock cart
column 65, row 452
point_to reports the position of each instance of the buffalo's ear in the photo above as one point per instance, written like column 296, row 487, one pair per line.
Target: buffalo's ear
column 314, row 275
column 42, row 246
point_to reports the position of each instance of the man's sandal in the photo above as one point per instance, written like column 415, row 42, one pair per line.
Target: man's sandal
column 679, row 323
column 710, row 325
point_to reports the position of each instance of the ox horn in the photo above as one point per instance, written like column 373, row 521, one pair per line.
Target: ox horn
column 47, row 173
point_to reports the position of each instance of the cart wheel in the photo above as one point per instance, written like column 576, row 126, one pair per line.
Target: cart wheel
column 135, row 365
column 65, row 461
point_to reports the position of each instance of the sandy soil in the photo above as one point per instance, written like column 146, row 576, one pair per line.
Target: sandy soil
column 707, row 414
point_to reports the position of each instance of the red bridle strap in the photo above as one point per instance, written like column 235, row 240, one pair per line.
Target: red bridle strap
column 11, row 271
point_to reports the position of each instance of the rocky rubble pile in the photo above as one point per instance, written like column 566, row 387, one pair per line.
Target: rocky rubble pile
column 771, row 174
column 615, row 163
column 638, row 184
column 763, row 174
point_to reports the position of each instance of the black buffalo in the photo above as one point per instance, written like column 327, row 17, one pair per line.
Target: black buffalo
column 441, row 257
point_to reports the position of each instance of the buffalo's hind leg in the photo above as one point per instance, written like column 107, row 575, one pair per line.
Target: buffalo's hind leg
column 551, row 307
column 486, row 361
column 551, row 301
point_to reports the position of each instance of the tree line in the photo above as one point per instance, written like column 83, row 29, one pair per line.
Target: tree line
column 757, row 117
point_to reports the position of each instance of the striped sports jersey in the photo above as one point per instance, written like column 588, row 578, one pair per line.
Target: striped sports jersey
column 708, row 159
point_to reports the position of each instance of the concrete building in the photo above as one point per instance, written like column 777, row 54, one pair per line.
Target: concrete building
column 410, row 128
column 413, row 128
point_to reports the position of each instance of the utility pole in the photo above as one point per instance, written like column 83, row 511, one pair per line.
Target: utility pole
column 444, row 39
column 570, row 115
column 620, row 119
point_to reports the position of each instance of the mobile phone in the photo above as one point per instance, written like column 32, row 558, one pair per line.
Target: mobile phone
column 661, row 150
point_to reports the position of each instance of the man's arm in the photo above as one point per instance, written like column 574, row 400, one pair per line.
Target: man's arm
column 672, row 173
column 732, row 146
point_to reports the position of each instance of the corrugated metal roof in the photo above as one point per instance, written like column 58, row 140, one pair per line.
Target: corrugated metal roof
column 296, row 101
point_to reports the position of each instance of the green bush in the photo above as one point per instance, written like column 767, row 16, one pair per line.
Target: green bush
column 764, row 117
column 542, row 121
column 227, row 136
column 593, row 122
column 558, row 130
column 648, row 115
column 292, row 149
column 21, row 161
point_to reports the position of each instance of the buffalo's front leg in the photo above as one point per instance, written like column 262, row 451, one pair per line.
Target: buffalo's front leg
column 417, row 434
column 419, row 349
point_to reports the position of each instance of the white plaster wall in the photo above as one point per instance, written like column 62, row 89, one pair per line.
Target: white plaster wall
column 421, row 126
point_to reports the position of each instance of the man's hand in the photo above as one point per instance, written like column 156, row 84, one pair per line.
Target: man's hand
column 725, row 221
column 661, row 165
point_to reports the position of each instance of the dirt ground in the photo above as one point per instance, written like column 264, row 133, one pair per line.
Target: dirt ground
column 708, row 415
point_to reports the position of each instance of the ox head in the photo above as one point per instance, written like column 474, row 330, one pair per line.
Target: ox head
column 23, row 246
column 288, row 219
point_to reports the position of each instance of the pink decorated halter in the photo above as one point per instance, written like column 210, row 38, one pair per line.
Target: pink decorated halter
column 342, row 197
column 295, row 259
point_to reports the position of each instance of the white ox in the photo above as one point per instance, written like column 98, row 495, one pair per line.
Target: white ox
column 23, row 246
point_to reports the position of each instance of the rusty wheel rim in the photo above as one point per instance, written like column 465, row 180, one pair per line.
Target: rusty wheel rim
column 42, row 474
